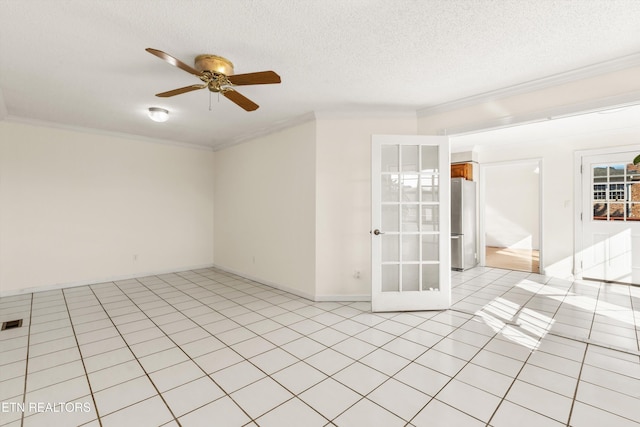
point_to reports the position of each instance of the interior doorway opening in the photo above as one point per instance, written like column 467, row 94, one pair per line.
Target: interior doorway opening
column 511, row 219
column 513, row 259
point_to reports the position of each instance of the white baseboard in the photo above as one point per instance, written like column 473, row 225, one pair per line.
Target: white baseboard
column 267, row 282
column 343, row 298
column 297, row 292
column 58, row 286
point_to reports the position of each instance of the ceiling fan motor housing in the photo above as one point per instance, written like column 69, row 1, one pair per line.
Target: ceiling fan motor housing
column 214, row 64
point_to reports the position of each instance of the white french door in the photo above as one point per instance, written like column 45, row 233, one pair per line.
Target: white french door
column 410, row 183
column 611, row 217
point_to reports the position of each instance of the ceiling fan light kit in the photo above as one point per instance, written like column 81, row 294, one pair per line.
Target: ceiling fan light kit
column 158, row 114
column 216, row 74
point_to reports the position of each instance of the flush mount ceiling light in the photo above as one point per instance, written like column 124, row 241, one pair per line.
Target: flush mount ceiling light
column 158, row 114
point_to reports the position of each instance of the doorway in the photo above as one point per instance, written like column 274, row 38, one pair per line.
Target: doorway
column 510, row 203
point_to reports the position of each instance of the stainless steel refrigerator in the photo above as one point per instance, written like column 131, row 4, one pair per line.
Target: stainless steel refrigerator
column 464, row 252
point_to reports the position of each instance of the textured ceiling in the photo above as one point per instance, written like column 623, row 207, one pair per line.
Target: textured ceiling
column 82, row 63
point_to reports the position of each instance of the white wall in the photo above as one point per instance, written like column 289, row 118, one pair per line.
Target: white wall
column 77, row 207
column 293, row 209
column 343, row 198
column 265, row 209
column 511, row 205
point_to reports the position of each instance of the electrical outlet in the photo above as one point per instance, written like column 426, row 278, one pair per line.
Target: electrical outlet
column 356, row 274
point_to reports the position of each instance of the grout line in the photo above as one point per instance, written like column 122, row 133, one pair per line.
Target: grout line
column 584, row 357
column 26, row 367
column 407, row 421
column 575, row 392
column 178, row 346
column 568, row 337
column 636, row 319
column 524, row 362
column 137, row 360
column 75, row 337
column 283, row 326
column 515, row 378
column 278, row 346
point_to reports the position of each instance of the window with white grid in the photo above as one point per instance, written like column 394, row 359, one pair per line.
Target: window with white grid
column 616, row 192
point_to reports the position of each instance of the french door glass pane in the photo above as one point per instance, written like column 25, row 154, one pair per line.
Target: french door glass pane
column 390, row 188
column 616, row 210
column 410, row 247
column 600, row 211
column 430, row 277
column 599, row 191
column 430, row 247
column 429, row 159
column 634, row 192
column 389, row 158
column 600, row 174
column 410, row 217
column 430, row 217
column 616, row 192
column 390, row 278
column 410, row 277
column 616, row 173
column 409, row 188
column 633, row 212
column 390, row 218
column 409, row 158
column 429, row 188
column 390, row 248
column 633, row 172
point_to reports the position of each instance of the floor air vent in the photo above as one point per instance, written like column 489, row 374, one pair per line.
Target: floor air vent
column 11, row 324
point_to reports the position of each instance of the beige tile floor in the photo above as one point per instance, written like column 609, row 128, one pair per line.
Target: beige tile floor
column 208, row 348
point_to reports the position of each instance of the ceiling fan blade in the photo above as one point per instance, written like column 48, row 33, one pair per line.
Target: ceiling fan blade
column 180, row 91
column 240, row 100
column 259, row 78
column 173, row 61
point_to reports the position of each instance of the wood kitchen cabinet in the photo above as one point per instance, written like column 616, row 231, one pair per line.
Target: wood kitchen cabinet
column 462, row 170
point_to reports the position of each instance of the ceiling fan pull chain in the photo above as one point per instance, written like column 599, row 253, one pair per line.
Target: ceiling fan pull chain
column 209, row 100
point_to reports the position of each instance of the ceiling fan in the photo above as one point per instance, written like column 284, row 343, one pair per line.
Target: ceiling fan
column 217, row 75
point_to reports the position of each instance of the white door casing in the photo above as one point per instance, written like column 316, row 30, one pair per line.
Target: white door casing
column 410, row 236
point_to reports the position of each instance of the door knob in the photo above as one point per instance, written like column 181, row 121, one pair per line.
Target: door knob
column 377, row 232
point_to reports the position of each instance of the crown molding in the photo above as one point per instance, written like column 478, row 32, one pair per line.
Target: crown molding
column 93, row 131
column 268, row 130
column 365, row 114
column 589, row 71
column 628, row 99
column 317, row 115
